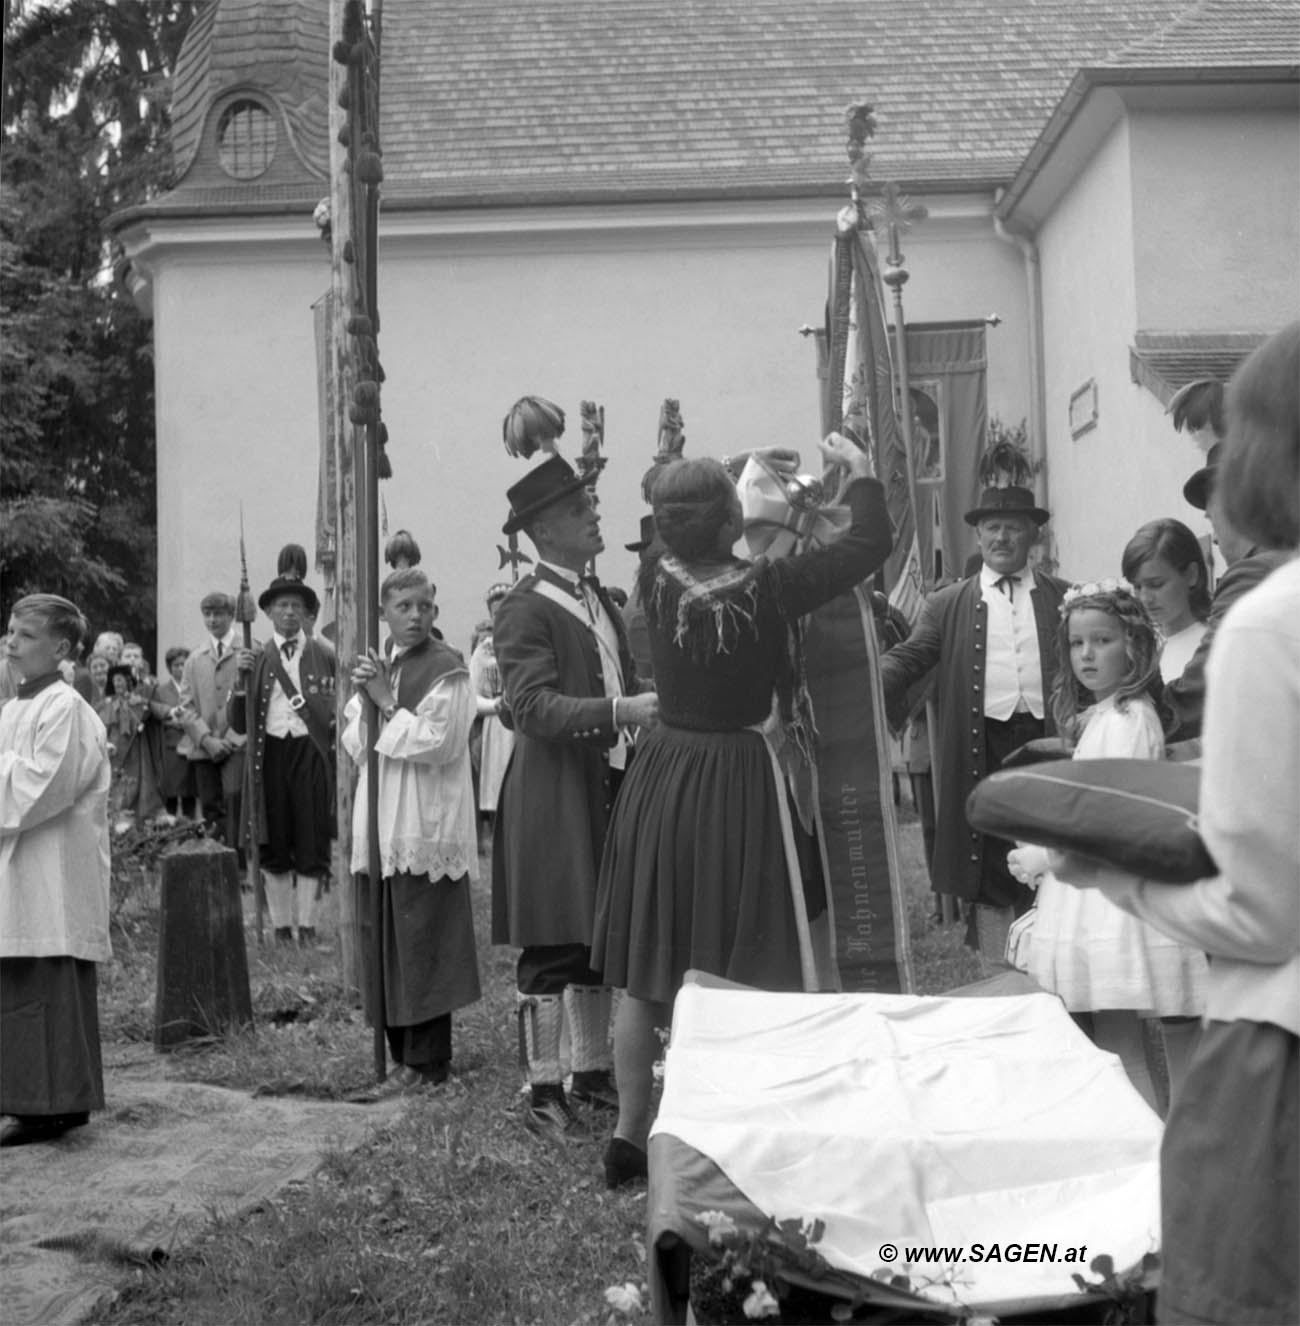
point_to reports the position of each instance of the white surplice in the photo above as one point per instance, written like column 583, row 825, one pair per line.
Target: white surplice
column 54, row 849
column 427, row 822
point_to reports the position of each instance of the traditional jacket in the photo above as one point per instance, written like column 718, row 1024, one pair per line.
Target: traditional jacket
column 1185, row 695
column 556, row 795
column 316, row 673
column 54, row 853
column 950, row 637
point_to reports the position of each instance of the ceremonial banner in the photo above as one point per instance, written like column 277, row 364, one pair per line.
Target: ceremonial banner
column 946, row 383
column 856, row 824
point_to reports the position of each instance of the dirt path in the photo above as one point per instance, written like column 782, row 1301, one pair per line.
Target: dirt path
column 145, row 1175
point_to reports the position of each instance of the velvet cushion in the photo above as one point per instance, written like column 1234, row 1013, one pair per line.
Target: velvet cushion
column 1137, row 815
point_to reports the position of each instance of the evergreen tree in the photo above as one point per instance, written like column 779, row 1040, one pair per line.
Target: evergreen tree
column 84, row 134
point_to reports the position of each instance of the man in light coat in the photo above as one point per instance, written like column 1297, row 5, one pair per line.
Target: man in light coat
column 213, row 749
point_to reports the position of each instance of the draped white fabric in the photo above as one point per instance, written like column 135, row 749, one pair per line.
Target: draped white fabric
column 930, row 1122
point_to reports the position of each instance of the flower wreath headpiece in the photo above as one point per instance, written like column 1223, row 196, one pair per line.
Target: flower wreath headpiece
column 1112, row 585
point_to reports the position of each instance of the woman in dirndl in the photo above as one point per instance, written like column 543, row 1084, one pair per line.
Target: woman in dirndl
column 695, row 871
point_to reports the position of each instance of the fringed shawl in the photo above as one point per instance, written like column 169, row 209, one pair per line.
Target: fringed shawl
column 715, row 615
column 708, row 616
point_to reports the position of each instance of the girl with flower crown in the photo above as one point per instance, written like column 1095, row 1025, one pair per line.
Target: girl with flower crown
column 1109, row 968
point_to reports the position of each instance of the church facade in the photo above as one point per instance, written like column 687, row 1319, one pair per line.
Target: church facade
column 627, row 203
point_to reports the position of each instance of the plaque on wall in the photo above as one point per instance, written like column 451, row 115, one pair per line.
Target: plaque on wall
column 1083, row 408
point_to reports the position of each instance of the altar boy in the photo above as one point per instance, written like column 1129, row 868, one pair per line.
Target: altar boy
column 428, row 843
column 54, row 881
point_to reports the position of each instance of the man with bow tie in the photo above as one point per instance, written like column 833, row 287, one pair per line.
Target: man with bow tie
column 572, row 696
column 992, row 638
column 286, row 708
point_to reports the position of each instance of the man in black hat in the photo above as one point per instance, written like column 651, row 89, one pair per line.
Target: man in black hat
column 286, row 707
column 572, row 695
column 992, row 637
column 1247, row 565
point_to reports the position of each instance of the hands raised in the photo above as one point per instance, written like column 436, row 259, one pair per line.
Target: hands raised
column 836, row 449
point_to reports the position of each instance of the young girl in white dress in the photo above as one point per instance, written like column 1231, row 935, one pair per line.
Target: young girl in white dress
column 1099, row 960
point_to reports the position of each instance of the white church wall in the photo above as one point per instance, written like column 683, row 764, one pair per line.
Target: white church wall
column 624, row 306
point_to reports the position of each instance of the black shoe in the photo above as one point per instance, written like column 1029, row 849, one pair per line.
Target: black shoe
column 595, row 1087
column 550, row 1115
column 31, row 1128
column 284, row 934
column 306, row 936
column 434, row 1074
column 624, row 1163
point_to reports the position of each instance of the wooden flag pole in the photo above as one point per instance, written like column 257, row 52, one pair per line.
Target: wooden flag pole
column 246, row 615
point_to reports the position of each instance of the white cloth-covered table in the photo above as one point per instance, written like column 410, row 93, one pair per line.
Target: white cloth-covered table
column 917, row 1122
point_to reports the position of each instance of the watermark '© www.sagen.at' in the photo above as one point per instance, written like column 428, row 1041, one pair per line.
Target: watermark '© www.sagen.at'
column 975, row 1253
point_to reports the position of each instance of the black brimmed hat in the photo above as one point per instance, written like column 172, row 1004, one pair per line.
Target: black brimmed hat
column 647, row 535
column 1012, row 500
column 1197, row 489
column 289, row 584
column 543, row 486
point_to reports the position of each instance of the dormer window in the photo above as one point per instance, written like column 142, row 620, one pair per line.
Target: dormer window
column 246, row 138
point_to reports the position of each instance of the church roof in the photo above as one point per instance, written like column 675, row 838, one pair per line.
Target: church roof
column 496, row 100
column 515, row 102
column 272, row 49
column 1223, row 33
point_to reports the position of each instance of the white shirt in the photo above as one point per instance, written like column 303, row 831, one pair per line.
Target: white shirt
column 611, row 666
column 1013, row 674
column 223, row 644
column 281, row 720
column 54, row 854
column 1177, row 650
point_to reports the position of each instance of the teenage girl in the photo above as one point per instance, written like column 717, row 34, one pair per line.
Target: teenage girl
column 1109, row 968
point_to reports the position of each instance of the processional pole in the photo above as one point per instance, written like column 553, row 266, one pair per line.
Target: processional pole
column 356, row 48
column 246, row 615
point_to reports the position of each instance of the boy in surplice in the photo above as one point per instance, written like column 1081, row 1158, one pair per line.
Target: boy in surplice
column 427, row 829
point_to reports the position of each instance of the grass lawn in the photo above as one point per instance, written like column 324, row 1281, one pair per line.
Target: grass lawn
column 453, row 1213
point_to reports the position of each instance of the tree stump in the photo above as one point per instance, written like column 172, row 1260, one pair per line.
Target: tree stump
column 202, row 960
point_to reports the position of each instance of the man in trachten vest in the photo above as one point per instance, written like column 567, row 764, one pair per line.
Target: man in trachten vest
column 286, row 708
column 572, row 696
column 992, row 639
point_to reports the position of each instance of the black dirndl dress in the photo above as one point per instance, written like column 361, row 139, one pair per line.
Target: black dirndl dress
column 694, row 872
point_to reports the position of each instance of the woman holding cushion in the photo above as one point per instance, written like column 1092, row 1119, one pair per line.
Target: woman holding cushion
column 1164, row 563
column 1230, row 1163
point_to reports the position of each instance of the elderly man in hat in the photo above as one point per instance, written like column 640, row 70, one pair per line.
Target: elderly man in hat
column 992, row 639
column 1247, row 565
column 286, row 708
column 572, row 695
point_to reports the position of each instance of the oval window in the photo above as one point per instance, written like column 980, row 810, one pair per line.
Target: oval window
column 246, row 139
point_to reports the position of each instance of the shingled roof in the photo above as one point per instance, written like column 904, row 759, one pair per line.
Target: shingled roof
column 1164, row 361
column 279, row 48
column 1223, row 33
column 494, row 101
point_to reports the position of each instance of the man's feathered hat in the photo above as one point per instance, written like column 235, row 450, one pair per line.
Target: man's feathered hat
column 290, row 571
